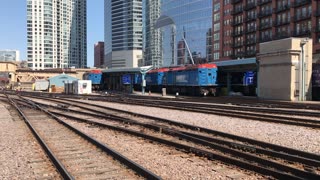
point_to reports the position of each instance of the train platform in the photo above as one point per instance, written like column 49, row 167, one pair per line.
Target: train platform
column 154, row 94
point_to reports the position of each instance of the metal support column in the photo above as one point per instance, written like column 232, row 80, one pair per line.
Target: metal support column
column 228, row 83
column 143, row 82
column 302, row 64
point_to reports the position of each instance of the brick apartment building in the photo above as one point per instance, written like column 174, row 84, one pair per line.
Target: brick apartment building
column 240, row 25
column 99, row 54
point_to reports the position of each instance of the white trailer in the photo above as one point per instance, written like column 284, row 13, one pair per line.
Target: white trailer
column 41, row 85
column 82, row 87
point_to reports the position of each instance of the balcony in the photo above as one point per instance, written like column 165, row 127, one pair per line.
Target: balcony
column 281, row 8
column 250, row 30
column 251, row 18
column 298, row 3
column 250, row 53
column 304, row 33
column 235, row 23
column 264, row 13
column 316, row 13
column 316, row 29
column 237, row 44
column 265, row 39
column 250, row 6
column 281, row 35
column 237, row 11
column 237, row 33
column 235, row 1
column 261, row 2
column 263, row 26
column 237, row 55
column 251, row 41
column 302, row 17
column 282, row 22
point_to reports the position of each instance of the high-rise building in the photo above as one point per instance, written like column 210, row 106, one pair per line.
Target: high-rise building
column 152, row 45
column 184, row 29
column 56, row 34
column 123, row 33
column 99, row 54
column 246, row 23
column 9, row 55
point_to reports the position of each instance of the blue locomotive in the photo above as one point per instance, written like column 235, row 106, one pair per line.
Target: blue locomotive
column 199, row 79
column 96, row 78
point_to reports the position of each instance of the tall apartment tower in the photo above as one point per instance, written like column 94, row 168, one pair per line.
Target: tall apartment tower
column 98, row 54
column 56, row 34
column 123, row 33
column 152, row 45
column 246, row 23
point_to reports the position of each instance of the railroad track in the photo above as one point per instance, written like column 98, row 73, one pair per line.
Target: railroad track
column 239, row 101
column 220, row 101
column 264, row 115
column 75, row 154
column 264, row 158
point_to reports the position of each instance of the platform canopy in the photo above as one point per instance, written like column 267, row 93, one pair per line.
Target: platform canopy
column 237, row 65
column 131, row 70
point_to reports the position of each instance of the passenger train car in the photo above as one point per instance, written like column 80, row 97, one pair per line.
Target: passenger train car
column 199, row 79
column 96, row 78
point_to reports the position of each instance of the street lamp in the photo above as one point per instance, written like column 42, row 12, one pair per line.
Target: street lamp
column 302, row 94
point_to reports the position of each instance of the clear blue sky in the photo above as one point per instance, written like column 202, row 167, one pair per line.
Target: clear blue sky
column 13, row 31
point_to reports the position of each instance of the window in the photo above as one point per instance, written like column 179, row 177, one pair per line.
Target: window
column 216, row 56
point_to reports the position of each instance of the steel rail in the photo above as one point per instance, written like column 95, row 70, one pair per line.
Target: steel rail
column 244, row 115
column 60, row 167
column 210, row 107
column 129, row 163
column 223, row 158
column 280, row 154
column 257, row 102
column 198, row 128
column 216, row 144
column 238, row 114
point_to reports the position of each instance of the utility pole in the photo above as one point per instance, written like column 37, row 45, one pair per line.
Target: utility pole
column 302, row 85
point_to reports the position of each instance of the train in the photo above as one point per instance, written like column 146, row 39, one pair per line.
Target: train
column 96, row 78
column 194, row 80
column 190, row 80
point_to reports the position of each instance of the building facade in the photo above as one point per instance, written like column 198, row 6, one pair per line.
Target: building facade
column 152, row 45
column 187, row 33
column 123, row 33
column 246, row 23
column 99, row 54
column 9, row 55
column 56, row 34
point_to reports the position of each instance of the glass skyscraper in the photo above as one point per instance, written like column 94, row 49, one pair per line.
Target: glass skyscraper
column 191, row 26
column 123, row 33
column 56, row 33
column 9, row 55
column 152, row 45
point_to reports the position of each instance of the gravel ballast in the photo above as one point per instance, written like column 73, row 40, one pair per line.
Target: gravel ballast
column 301, row 138
column 21, row 157
column 162, row 160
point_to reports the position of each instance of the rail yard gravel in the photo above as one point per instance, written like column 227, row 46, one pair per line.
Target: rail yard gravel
column 21, row 157
column 305, row 139
column 162, row 160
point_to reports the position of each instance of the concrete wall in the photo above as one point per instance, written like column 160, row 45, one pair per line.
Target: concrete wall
column 121, row 59
column 9, row 67
column 279, row 69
